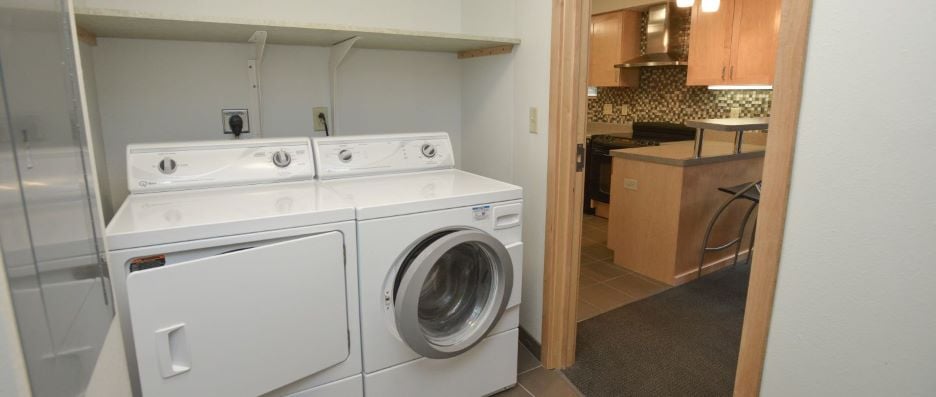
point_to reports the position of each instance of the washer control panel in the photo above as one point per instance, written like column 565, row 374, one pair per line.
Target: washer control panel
column 190, row 165
column 359, row 155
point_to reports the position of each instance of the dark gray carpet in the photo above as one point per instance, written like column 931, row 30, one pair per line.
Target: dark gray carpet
column 681, row 342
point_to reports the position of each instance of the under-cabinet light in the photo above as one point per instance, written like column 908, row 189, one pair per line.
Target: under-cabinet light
column 710, row 5
column 591, row 91
column 685, row 3
column 740, row 87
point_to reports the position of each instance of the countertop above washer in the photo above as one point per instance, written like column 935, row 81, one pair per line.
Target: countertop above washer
column 399, row 194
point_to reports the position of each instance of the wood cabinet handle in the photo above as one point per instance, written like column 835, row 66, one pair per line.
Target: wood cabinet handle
column 723, row 72
column 731, row 75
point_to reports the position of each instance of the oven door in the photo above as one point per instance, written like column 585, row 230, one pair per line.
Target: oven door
column 451, row 290
column 598, row 174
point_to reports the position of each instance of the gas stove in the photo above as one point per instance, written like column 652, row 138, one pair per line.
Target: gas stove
column 598, row 163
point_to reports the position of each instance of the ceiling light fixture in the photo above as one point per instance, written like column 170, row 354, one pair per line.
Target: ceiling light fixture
column 710, row 5
column 684, row 3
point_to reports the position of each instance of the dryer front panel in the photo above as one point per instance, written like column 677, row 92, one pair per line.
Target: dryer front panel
column 242, row 322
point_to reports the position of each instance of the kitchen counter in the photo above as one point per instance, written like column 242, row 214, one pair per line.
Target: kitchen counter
column 680, row 154
column 662, row 199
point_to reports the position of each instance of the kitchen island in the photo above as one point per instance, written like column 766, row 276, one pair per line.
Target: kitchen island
column 662, row 199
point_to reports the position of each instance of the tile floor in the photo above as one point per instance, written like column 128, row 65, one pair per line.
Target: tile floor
column 604, row 286
column 536, row 381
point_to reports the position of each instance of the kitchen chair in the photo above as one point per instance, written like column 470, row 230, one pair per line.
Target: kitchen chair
column 745, row 191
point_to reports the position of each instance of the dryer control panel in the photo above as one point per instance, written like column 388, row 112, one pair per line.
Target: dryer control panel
column 359, row 155
column 190, row 165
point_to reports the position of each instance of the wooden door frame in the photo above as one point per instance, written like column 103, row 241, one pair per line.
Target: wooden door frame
column 567, row 114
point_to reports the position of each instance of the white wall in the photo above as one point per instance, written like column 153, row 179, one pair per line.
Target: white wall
column 531, row 87
column 382, row 91
column 856, row 295
column 497, row 93
column 13, row 378
column 157, row 91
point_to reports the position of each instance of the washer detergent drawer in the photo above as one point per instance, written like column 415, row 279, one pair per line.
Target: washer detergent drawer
column 241, row 323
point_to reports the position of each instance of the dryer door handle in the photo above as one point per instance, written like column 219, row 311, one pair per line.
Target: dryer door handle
column 507, row 216
column 172, row 350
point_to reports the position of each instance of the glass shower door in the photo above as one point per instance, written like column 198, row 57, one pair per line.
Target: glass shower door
column 50, row 225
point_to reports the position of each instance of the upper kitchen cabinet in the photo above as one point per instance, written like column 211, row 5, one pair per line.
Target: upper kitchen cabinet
column 754, row 42
column 614, row 37
column 735, row 45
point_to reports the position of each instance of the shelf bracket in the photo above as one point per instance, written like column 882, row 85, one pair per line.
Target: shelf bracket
column 258, row 39
column 336, row 56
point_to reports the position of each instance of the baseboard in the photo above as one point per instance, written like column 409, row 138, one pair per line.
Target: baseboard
column 531, row 344
column 708, row 268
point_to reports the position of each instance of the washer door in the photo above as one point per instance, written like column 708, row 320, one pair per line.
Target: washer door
column 451, row 290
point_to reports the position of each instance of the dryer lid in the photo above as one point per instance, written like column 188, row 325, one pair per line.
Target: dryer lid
column 161, row 218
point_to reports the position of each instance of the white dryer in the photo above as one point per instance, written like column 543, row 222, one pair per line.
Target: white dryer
column 440, row 259
column 230, row 272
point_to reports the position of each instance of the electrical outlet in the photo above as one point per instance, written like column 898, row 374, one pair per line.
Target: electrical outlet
column 607, row 109
column 534, row 127
column 226, row 115
column 625, row 109
column 630, row 184
column 317, row 123
column 735, row 113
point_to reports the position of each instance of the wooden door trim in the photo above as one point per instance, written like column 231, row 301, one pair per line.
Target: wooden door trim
column 771, row 219
column 567, row 113
column 564, row 201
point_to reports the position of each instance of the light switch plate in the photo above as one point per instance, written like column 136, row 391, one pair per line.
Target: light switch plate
column 625, row 109
column 607, row 109
column 226, row 115
column 735, row 113
column 630, row 184
column 534, row 127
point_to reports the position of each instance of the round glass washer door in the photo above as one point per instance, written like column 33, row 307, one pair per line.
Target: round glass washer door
column 450, row 291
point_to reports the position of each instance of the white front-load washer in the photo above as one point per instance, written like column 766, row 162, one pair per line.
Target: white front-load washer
column 440, row 258
column 231, row 273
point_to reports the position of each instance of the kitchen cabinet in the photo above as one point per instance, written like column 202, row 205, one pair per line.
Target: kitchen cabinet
column 735, row 45
column 614, row 37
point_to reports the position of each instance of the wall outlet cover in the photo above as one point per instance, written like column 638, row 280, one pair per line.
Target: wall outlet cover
column 735, row 113
column 630, row 184
column 608, row 109
column 534, row 127
column 226, row 115
column 316, row 121
column 625, row 109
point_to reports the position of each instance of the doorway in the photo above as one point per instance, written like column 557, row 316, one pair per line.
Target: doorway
column 566, row 226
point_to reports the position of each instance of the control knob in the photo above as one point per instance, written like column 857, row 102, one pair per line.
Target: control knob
column 281, row 159
column 344, row 155
column 167, row 166
column 428, row 150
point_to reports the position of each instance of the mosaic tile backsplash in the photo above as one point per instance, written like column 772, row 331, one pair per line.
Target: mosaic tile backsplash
column 664, row 96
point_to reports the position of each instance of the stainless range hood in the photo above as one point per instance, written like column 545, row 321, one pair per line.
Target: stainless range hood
column 664, row 40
